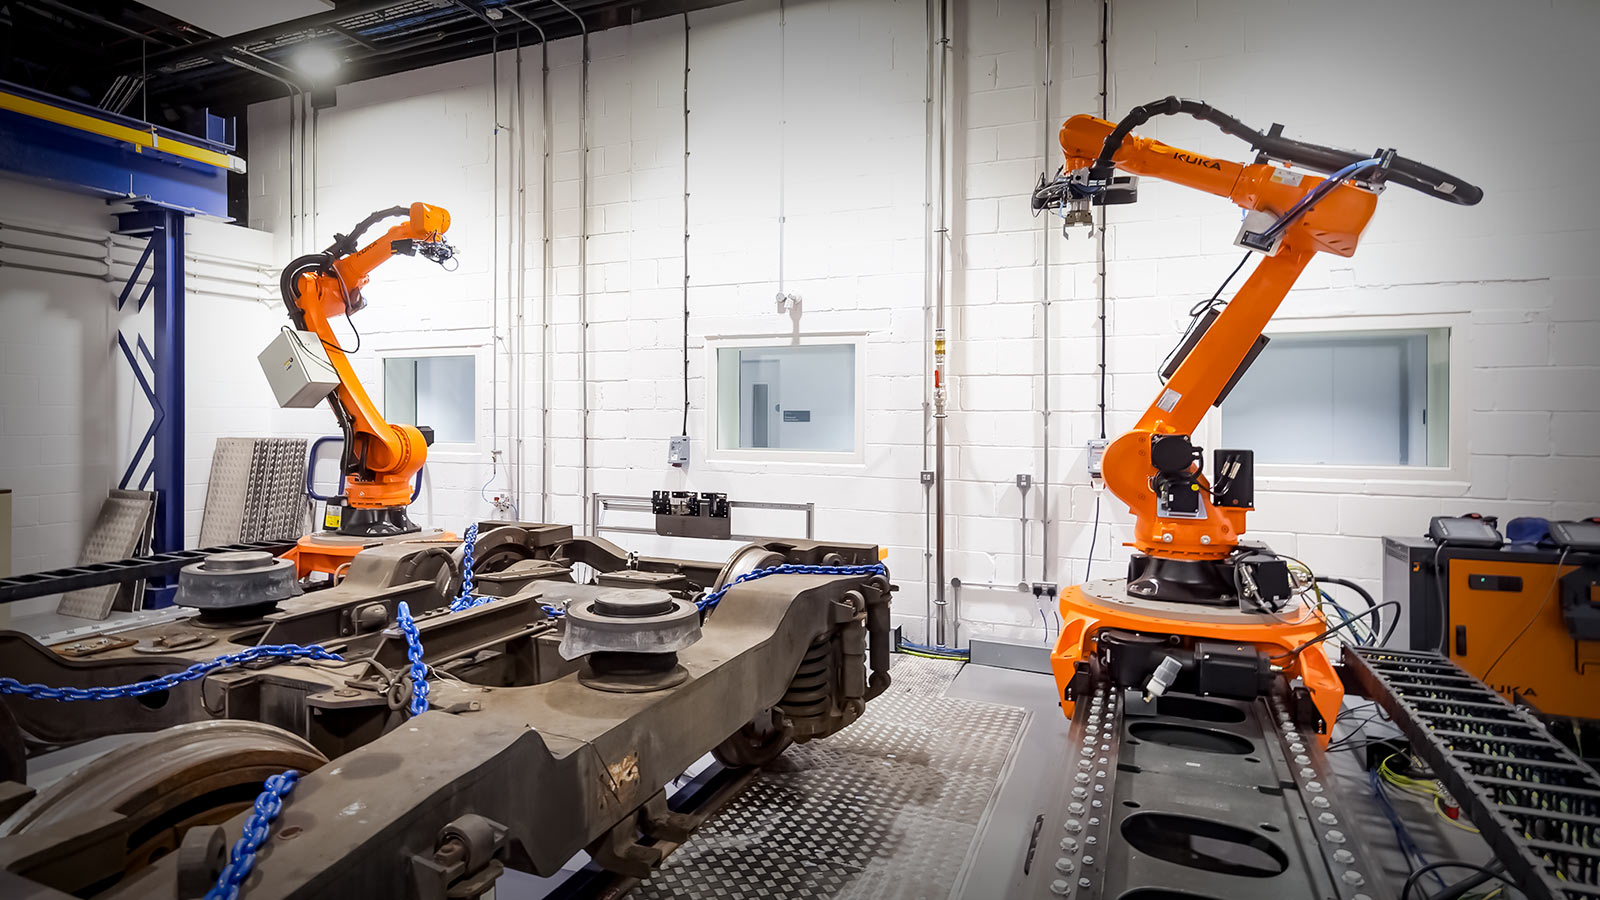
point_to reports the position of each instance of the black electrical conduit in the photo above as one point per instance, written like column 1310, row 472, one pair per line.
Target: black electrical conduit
column 1316, row 157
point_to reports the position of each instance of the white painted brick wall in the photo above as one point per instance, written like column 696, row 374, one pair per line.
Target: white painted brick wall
column 1516, row 275
column 71, row 413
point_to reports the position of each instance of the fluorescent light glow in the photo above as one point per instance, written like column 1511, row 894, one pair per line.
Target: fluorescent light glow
column 317, row 62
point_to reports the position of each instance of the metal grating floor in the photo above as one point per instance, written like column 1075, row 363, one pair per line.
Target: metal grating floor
column 886, row 809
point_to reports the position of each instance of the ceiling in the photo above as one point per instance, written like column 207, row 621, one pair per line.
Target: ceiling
column 168, row 60
column 230, row 17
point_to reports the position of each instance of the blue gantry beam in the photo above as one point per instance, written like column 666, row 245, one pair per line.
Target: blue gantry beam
column 86, row 149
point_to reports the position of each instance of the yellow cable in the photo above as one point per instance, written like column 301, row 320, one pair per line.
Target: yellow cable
column 1437, row 805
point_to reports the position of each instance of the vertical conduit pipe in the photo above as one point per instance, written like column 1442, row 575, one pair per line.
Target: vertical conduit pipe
column 495, row 344
column 783, row 85
column 583, row 260
column 546, row 282
column 1100, row 262
column 685, row 431
column 308, row 173
column 521, row 357
column 927, row 324
column 522, row 269
column 1044, row 485
column 294, row 247
column 941, row 238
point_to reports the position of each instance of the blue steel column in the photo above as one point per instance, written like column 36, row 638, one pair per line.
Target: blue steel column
column 169, row 314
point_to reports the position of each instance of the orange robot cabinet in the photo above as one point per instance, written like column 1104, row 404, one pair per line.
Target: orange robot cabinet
column 1507, row 626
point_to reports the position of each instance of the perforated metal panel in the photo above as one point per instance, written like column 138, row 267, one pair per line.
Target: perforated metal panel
column 256, row 491
column 887, row 808
column 121, row 530
column 225, row 491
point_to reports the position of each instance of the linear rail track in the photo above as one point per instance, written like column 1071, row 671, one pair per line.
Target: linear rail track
column 119, row 571
column 1199, row 797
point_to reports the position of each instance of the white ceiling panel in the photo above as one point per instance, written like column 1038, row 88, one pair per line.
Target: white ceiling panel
column 230, row 17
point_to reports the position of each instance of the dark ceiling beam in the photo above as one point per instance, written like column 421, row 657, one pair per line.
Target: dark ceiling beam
column 100, row 20
column 210, row 48
column 227, row 86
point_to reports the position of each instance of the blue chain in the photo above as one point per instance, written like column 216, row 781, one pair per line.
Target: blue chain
column 256, row 830
column 465, row 600
column 419, row 672
column 710, row 600
column 169, row 681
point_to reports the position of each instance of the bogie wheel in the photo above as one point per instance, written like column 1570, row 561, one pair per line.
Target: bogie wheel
column 201, row 773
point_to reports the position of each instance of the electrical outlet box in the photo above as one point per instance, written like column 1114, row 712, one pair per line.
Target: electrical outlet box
column 1046, row 589
column 1097, row 455
column 298, row 369
column 1024, row 480
column 927, row 478
column 678, row 451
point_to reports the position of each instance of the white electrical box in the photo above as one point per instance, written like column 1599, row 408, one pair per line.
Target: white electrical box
column 678, row 451
column 298, row 369
column 1097, row 454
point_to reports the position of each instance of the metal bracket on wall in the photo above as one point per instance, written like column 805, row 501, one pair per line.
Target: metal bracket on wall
column 619, row 503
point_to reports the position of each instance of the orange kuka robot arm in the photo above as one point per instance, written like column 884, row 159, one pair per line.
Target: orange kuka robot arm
column 380, row 457
column 1309, row 215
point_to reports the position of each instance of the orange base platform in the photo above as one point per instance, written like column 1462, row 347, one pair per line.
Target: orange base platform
column 1087, row 609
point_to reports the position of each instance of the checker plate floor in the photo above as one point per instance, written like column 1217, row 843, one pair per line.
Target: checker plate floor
column 886, row 808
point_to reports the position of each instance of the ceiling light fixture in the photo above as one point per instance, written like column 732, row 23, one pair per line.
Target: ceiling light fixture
column 317, row 62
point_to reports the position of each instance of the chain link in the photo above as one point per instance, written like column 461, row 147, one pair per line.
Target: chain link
column 465, row 600
column 168, row 681
column 710, row 600
column 419, row 672
column 257, row 828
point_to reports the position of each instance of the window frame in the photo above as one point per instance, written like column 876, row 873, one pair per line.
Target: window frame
column 374, row 382
column 779, row 456
column 1453, row 477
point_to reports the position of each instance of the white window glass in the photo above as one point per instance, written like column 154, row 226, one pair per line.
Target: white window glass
column 787, row 398
column 436, row 391
column 1364, row 398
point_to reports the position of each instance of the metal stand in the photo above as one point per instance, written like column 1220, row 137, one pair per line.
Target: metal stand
column 602, row 502
column 163, row 228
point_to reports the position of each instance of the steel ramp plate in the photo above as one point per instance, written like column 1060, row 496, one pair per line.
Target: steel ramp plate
column 886, row 809
column 223, row 515
column 120, row 531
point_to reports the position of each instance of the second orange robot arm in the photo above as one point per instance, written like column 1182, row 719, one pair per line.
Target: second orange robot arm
column 392, row 453
column 1333, row 225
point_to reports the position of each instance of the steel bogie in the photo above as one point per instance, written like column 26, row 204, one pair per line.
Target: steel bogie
column 551, row 755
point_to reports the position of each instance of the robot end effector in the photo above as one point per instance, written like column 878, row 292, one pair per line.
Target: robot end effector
column 1092, row 149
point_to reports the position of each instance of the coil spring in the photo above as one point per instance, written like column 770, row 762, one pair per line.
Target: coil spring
column 810, row 688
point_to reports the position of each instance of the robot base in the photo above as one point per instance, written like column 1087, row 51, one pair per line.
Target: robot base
column 1089, row 609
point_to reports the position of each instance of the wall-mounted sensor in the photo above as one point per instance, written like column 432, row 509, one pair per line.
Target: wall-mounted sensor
column 678, row 451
